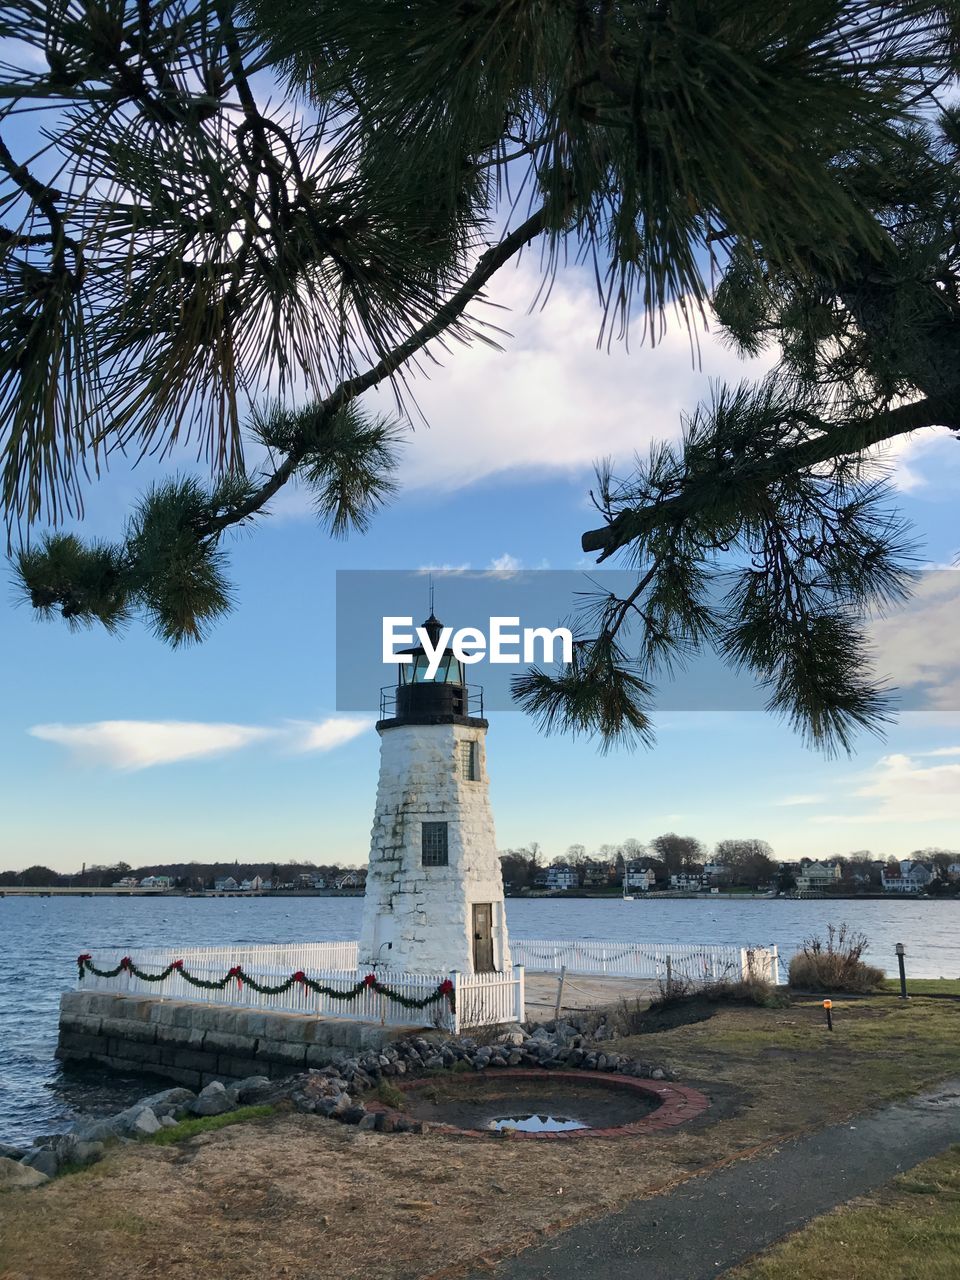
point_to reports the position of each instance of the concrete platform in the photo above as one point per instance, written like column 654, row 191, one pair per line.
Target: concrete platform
column 194, row 1043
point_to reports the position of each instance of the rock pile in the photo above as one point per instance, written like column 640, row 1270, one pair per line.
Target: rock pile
column 332, row 1091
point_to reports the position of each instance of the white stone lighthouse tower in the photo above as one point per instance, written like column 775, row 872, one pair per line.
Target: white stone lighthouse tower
column 434, row 898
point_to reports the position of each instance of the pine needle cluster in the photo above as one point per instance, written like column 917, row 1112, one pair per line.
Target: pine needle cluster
column 309, row 197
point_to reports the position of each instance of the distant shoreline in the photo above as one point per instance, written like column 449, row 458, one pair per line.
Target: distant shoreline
column 63, row 891
column 655, row 895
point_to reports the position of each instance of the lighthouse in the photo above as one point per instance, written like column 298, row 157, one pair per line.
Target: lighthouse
column 434, row 895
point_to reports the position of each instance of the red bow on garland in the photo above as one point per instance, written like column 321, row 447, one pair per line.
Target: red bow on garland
column 299, row 976
column 446, row 987
column 235, row 973
column 370, row 980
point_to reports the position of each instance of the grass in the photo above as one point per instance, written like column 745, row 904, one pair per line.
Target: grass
column 390, row 1096
column 272, row 1198
column 925, row 986
column 910, row 1230
column 209, row 1124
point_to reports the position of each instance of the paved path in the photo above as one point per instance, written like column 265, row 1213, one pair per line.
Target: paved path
column 713, row 1222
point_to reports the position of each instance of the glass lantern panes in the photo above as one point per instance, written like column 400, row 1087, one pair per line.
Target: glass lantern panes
column 450, row 671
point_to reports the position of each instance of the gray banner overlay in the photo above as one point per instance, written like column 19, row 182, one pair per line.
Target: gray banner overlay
column 917, row 646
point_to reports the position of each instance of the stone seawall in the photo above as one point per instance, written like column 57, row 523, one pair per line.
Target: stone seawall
column 196, row 1043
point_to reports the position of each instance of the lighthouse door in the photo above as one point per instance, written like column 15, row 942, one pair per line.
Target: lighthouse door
column 482, row 937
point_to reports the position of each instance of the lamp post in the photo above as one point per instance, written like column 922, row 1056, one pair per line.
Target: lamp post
column 901, row 952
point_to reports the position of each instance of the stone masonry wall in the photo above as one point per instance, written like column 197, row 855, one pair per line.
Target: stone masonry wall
column 425, row 913
column 196, row 1043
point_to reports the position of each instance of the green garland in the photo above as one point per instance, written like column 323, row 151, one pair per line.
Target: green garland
column 443, row 992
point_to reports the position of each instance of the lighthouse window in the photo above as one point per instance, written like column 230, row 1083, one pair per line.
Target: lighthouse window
column 433, row 844
column 468, row 760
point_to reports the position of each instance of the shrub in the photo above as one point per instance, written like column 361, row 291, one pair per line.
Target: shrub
column 719, row 991
column 633, row 1017
column 835, row 964
column 750, row 990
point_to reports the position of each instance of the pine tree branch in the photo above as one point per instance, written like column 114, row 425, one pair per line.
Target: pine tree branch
column 446, row 315
column 835, row 442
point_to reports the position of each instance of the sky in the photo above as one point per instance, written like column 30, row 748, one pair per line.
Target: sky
column 120, row 748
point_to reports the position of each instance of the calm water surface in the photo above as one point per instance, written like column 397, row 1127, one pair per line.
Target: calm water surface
column 43, row 936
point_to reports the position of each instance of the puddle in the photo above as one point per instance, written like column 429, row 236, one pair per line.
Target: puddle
column 502, row 1103
column 536, row 1124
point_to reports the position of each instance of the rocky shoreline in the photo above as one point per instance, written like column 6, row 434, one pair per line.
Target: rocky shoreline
column 334, row 1091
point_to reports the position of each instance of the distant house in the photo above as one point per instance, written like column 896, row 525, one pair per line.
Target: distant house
column 685, row 880
column 906, row 876
column 256, row 885
column 953, row 871
column 352, row 880
column 598, row 876
column 715, row 873
column 640, row 878
column 156, row 882
column 562, row 877
column 859, row 875
column 226, row 884
column 127, row 882
column 818, row 877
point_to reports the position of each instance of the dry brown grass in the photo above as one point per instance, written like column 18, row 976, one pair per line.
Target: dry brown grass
column 303, row 1198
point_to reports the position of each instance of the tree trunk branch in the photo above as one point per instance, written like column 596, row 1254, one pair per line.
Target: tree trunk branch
column 447, row 314
column 837, row 442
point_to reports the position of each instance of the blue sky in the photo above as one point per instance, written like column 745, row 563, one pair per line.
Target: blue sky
column 120, row 748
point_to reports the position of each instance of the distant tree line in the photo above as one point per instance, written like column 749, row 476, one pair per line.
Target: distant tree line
column 739, row 863
column 742, row 863
column 185, row 875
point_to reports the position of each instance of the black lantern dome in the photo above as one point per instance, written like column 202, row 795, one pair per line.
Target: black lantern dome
column 443, row 698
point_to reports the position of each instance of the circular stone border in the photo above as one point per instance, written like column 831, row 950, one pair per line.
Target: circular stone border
column 678, row 1104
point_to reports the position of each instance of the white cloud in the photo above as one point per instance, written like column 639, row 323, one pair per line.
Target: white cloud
column 140, row 744
column 902, row 790
column 918, row 648
column 551, row 401
column 788, row 801
column 908, row 457
column 505, row 564
column 331, row 733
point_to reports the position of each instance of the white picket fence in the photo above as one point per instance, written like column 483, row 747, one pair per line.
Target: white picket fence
column 655, row 961
column 480, row 999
